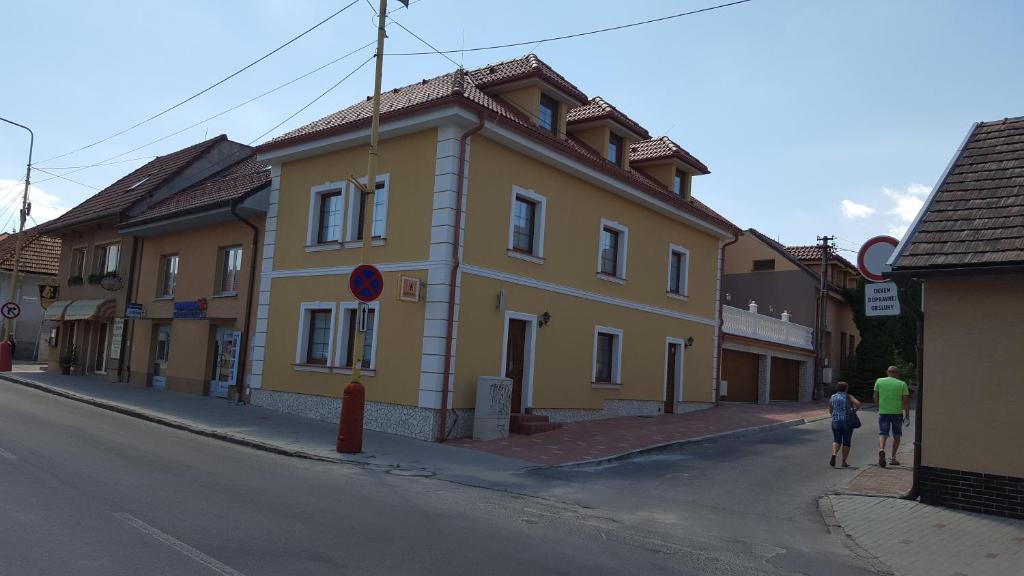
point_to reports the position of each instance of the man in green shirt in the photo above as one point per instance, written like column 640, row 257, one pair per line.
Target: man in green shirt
column 893, row 399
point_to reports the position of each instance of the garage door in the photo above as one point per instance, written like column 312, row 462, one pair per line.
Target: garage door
column 785, row 380
column 739, row 369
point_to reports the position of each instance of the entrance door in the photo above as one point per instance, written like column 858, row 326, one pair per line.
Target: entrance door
column 100, row 361
column 225, row 361
column 515, row 361
column 785, row 380
column 161, row 355
column 670, row 378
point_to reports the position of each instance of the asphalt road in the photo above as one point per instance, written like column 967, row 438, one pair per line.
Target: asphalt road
column 91, row 492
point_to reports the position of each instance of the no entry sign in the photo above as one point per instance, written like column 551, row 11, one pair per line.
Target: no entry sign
column 873, row 255
column 366, row 283
column 10, row 310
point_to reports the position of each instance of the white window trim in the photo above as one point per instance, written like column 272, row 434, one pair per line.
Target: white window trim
column 684, row 285
column 623, row 247
column 351, row 211
column 95, row 264
column 164, row 294
column 616, row 358
column 531, row 349
column 339, row 359
column 540, row 217
column 302, row 342
column 313, row 224
column 680, row 365
column 222, row 270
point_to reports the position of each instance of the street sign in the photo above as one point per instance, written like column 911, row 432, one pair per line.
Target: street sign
column 366, row 283
column 881, row 299
column 10, row 310
column 135, row 310
column 873, row 255
column 47, row 295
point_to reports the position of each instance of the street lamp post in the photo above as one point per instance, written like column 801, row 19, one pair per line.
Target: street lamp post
column 9, row 322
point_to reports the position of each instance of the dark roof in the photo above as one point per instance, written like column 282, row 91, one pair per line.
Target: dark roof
column 40, row 254
column 121, row 194
column 241, row 179
column 663, row 148
column 598, row 109
column 976, row 216
column 529, row 66
column 813, row 253
column 460, row 88
column 787, row 253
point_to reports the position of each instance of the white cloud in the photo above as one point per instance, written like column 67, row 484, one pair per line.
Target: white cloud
column 45, row 206
column 852, row 209
column 907, row 203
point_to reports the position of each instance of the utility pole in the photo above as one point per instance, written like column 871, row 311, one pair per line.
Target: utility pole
column 25, row 208
column 825, row 245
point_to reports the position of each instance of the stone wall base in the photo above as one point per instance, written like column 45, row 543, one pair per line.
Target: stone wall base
column 973, row 491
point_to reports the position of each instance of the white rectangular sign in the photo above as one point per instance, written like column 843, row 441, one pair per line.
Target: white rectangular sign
column 116, row 335
column 881, row 299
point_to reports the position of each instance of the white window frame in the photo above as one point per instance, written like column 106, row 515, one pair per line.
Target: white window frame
column 302, row 342
column 313, row 225
column 163, row 292
column 623, row 249
column 101, row 270
column 352, row 211
column 540, row 218
column 222, row 253
column 83, row 270
column 684, row 281
column 342, row 350
column 616, row 358
column 531, row 352
column 679, row 384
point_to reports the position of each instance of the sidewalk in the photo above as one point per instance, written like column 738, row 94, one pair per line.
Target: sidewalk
column 916, row 539
column 892, row 481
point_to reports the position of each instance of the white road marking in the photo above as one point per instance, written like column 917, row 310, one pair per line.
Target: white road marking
column 178, row 545
column 6, row 454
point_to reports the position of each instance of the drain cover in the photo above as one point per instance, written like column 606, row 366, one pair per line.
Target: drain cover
column 412, row 473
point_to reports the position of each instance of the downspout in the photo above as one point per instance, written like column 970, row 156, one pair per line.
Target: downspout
column 721, row 319
column 442, row 433
column 240, row 370
column 915, row 488
column 124, row 359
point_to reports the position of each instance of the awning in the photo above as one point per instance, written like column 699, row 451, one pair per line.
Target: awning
column 79, row 309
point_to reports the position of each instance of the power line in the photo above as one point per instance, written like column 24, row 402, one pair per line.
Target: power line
column 101, row 163
column 208, row 88
column 576, row 35
column 66, row 178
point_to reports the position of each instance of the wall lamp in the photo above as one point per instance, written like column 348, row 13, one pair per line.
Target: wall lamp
column 544, row 319
column 689, row 342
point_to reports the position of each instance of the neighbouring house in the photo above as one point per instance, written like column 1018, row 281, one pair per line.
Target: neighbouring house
column 966, row 248
column 98, row 264
column 782, row 286
column 523, row 230
column 37, row 270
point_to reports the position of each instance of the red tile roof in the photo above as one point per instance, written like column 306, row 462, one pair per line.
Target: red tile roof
column 598, row 109
column 663, row 148
column 39, row 254
column 529, row 66
column 244, row 177
column 455, row 88
column 813, row 253
column 121, row 194
column 976, row 217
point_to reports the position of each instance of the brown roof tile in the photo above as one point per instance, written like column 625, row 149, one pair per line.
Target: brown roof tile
column 662, row 148
column 813, row 253
column 598, row 109
column 519, row 68
column 976, row 216
column 40, row 254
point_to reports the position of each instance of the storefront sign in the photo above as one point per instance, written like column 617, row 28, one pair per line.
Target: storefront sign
column 116, row 335
column 190, row 309
column 135, row 310
column 881, row 299
column 47, row 295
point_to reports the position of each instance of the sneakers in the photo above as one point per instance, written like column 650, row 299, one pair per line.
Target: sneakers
column 894, row 462
column 832, row 461
column 881, row 458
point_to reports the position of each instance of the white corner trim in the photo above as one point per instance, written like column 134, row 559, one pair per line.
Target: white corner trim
column 623, row 247
column 540, row 219
column 616, row 357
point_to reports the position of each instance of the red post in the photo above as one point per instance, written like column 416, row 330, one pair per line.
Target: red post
column 350, row 428
column 5, row 357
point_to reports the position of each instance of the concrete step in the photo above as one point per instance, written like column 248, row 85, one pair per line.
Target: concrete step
column 529, row 428
column 523, row 418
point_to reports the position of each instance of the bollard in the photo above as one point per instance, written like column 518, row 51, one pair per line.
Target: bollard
column 5, row 356
column 350, row 428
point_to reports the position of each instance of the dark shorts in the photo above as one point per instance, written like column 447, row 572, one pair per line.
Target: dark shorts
column 841, row 433
column 887, row 422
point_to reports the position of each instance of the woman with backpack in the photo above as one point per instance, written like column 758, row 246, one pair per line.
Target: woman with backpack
column 843, row 409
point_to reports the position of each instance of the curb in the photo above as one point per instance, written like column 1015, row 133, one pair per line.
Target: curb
column 184, row 425
column 676, row 443
column 835, row 528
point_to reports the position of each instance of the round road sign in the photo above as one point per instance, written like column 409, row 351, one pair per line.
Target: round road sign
column 366, row 283
column 10, row 310
column 873, row 255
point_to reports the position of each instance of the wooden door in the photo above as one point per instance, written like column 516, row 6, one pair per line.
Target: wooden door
column 515, row 361
column 785, row 380
column 670, row 378
column 740, row 370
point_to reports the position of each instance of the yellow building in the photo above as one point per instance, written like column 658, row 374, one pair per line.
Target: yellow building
column 522, row 229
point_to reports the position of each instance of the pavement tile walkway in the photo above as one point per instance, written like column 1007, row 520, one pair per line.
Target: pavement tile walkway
column 893, row 481
column 595, row 440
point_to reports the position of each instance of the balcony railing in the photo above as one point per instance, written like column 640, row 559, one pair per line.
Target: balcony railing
column 741, row 322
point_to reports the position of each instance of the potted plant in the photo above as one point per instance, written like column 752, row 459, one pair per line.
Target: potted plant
column 68, row 360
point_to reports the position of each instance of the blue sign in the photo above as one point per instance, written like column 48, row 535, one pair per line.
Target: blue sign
column 135, row 310
column 190, row 309
column 366, row 283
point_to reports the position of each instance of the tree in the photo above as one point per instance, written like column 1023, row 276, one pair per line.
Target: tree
column 884, row 340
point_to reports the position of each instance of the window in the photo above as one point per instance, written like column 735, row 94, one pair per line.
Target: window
column 230, row 269
column 77, row 263
column 106, row 258
column 615, row 149
column 607, row 355
column 678, row 270
column 526, row 224
column 357, row 212
column 611, row 259
column 329, row 220
column 350, row 322
column 548, row 119
column 315, row 336
column 168, row 275
column 679, row 183
column 766, row 264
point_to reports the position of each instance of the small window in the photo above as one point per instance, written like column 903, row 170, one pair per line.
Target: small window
column 615, row 149
column 548, row 119
column 329, row 220
column 523, row 225
column 678, row 270
column 318, row 337
column 679, row 184
column 78, row 263
column 168, row 275
column 766, row 264
column 612, row 250
column 230, row 270
column 351, row 322
column 357, row 212
column 107, row 258
column 607, row 355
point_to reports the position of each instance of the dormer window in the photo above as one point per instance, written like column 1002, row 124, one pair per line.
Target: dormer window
column 679, row 184
column 548, row 118
column 615, row 149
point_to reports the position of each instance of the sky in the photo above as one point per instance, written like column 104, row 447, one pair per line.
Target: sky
column 815, row 116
